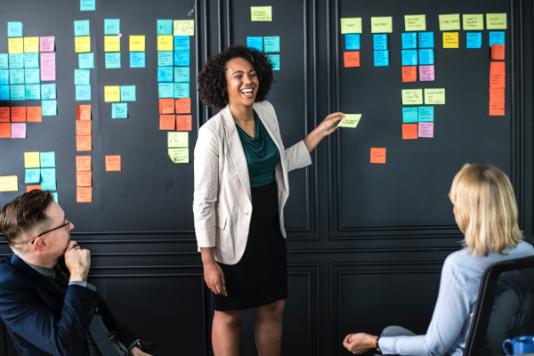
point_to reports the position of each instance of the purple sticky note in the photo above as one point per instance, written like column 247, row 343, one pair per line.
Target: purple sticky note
column 48, row 66
column 426, row 129
column 18, row 130
column 47, row 43
column 426, row 73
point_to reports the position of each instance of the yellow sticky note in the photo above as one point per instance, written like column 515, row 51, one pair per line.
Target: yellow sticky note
column 31, row 44
column 450, row 40
column 412, row 96
column 351, row 25
column 496, row 21
column 382, row 24
column 82, row 44
column 15, row 45
column 184, row 27
column 350, row 120
column 435, row 96
column 177, row 139
column 449, row 22
column 9, row 183
column 137, row 43
column 415, row 22
column 32, row 160
column 112, row 93
column 261, row 13
column 179, row 154
column 112, row 44
column 165, row 43
column 473, row 22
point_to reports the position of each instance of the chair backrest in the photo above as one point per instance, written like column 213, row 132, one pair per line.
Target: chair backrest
column 505, row 307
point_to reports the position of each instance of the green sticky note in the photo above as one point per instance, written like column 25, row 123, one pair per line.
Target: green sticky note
column 179, row 154
column 119, row 110
column 473, row 22
column 415, row 22
column 261, row 13
column 449, row 22
column 177, row 139
column 350, row 120
column 382, row 24
column 412, row 96
column 351, row 25
column 496, row 21
column 434, row 96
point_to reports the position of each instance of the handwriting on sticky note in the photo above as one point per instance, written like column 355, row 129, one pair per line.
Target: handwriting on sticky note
column 381, row 24
column 184, row 27
column 32, row 160
column 179, row 155
column 415, row 22
column 261, row 13
column 112, row 93
column 113, row 163
column 9, row 184
column 84, row 179
column 473, row 22
column 84, row 143
column 351, row 25
column 497, row 75
column 378, row 155
column 496, row 101
column 449, row 22
column 83, row 163
column 84, row 194
column 350, row 120
column 177, row 139
column 137, row 43
column 412, row 96
column 434, row 96
column 450, row 40
column 496, row 21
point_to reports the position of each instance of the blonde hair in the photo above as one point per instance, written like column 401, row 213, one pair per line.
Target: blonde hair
column 485, row 209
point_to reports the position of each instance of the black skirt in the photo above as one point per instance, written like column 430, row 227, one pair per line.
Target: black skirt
column 260, row 277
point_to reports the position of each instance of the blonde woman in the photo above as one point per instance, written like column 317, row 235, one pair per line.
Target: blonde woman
column 485, row 210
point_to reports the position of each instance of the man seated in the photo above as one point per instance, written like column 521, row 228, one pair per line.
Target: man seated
column 47, row 310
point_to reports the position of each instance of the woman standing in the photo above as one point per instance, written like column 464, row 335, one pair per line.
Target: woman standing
column 241, row 187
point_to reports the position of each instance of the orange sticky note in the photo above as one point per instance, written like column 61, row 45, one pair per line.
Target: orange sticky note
column 84, row 194
column 183, row 106
column 34, row 114
column 5, row 130
column 496, row 101
column 497, row 75
column 84, row 179
column 18, row 114
column 83, row 128
column 351, row 59
column 83, row 112
column 166, row 106
column 498, row 51
column 184, row 122
column 5, row 113
column 83, row 143
column 113, row 163
column 83, row 163
column 378, row 155
column 409, row 131
column 31, row 187
column 166, row 122
column 409, row 74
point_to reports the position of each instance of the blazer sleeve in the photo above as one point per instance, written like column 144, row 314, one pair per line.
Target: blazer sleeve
column 206, row 172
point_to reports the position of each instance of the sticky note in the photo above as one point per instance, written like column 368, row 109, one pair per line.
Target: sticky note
column 47, row 43
column 426, row 129
column 84, row 143
column 32, row 176
column 9, row 184
column 137, row 43
column 83, row 92
column 17, row 92
column 497, row 74
column 409, row 114
column 16, row 60
column 48, row 91
column 179, row 155
column 32, row 92
column 182, row 74
column 81, row 28
column 496, row 37
column 409, row 57
column 33, row 187
column 473, row 22
column 496, row 21
column 82, row 44
column 184, row 27
column 181, row 43
column 409, row 131
column 426, row 73
column 128, row 93
column 425, row 113
column 16, row 76
column 426, row 39
column 165, row 74
column 48, row 159
column 31, row 60
column 350, row 120
column 119, row 110
column 113, row 163
column 83, row 128
column 34, row 114
column 177, row 139
column 112, row 26
column 84, row 194
column 381, row 24
column 415, row 22
column 351, row 25
column 181, row 90
column 86, row 60
column 184, row 122
column 426, row 56
column 183, row 105
column 49, row 107
column 166, row 106
column 18, row 114
column 165, row 43
column 32, row 160
column 351, row 59
column 112, row 60
column 434, row 96
column 181, row 58
column 409, row 40
column 167, row 122
column 271, row 44
column 275, row 61
column 31, row 44
column 377, row 155
column 412, row 96
column 15, row 45
column 112, row 93
column 14, row 29
column 4, row 76
column 164, row 27
column 450, row 40
column 352, row 41
column 5, row 130
column 18, row 130
column 380, row 42
column 83, row 163
column 84, row 179
column 255, row 42
column 496, row 101
column 4, row 92
column 4, row 61
column 449, row 22
column 473, row 39
column 498, row 52
column 112, row 44
column 261, row 13
column 381, row 58
column 137, row 60
column 32, row 75
column 5, row 114
column 166, row 90
column 165, row 59
column 83, row 112
column 87, row 5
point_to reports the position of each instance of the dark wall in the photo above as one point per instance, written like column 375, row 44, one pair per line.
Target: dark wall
column 366, row 242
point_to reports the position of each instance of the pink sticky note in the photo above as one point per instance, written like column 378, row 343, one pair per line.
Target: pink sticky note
column 426, row 73
column 18, row 130
column 48, row 66
column 426, row 129
column 47, row 43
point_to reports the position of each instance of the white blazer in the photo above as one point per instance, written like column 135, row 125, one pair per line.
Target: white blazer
column 222, row 203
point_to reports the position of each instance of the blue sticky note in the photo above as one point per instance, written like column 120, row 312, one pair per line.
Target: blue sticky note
column 87, row 5
column 48, row 159
column 4, row 61
column 48, row 179
column 181, row 58
column 48, row 91
column 409, row 57
column 426, row 39
column 165, row 90
column 32, row 92
column 381, row 58
column 32, row 176
column 409, row 40
column 4, row 92
column 255, row 42
column 165, row 74
column 473, row 39
column 83, row 92
column 49, row 108
column 380, row 42
column 14, row 29
column 16, row 61
column 16, row 76
column 275, row 61
column 426, row 113
column 55, row 196
column 18, row 92
column 31, row 60
column 426, row 56
column 128, row 93
column 164, row 27
column 352, row 42
column 137, row 59
column 112, row 26
column 181, row 90
column 86, row 60
column 82, row 77
column 119, row 110
column 165, row 59
column 409, row 114
column 182, row 43
column 182, row 74
column 496, row 37
column 112, row 60
column 32, row 76
column 271, row 44
column 81, row 28
column 4, row 76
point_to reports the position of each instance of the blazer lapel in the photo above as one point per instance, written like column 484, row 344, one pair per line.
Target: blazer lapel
column 33, row 275
column 268, row 124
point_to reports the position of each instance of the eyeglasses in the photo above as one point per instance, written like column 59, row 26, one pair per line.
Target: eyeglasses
column 66, row 224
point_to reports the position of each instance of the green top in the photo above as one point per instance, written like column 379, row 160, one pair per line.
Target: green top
column 261, row 153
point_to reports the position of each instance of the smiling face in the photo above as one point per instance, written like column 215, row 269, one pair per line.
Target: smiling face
column 242, row 82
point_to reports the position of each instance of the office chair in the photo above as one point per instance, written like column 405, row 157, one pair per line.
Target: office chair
column 505, row 307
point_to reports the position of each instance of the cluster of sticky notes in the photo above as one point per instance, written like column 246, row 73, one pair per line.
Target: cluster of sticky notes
column 350, row 120
column 119, row 96
column 497, row 77
column 261, row 13
column 473, row 23
column 418, row 121
column 380, row 50
column 13, row 120
column 84, row 179
column 137, row 48
column 175, row 114
column 178, row 146
column 377, row 155
column 417, row 56
column 86, row 60
column 9, row 183
column 83, row 128
column 268, row 44
column 40, row 171
column 112, row 43
column 351, row 29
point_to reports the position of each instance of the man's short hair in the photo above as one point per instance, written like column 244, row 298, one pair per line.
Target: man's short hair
column 23, row 213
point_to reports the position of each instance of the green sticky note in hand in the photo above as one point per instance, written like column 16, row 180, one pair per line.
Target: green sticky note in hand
column 350, row 120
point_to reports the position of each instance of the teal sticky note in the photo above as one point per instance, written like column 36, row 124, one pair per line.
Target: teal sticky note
column 14, row 29
column 473, row 39
column 165, row 58
column 182, row 74
column 4, row 92
column 4, row 61
column 31, row 76
column 31, row 60
column 181, row 90
column 86, row 60
column 81, row 28
column 409, row 114
column 48, row 159
column 87, row 5
column 271, row 44
column 165, row 90
column 119, row 110
column 16, row 76
column 425, row 113
column 137, row 60
column 128, row 93
column 381, row 58
column 352, row 42
column 181, row 43
column 18, row 92
column 4, row 76
column 181, row 58
column 32, row 92
column 409, row 40
column 83, row 92
column 16, row 61
column 48, row 91
column 55, row 197
column 82, row 77
column 112, row 60
column 49, row 108
column 165, row 74
column 255, row 42
column 496, row 37
column 48, row 179
column 112, row 26
column 426, row 56
column 409, row 57
column 275, row 61
column 426, row 39
column 164, row 27
column 32, row 176
column 380, row 42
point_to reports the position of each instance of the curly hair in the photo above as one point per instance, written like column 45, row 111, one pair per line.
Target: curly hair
column 212, row 85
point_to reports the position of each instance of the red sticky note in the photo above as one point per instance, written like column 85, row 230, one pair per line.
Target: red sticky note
column 5, row 113
column 113, row 163
column 83, row 112
column 498, row 51
column 183, row 106
column 83, row 128
column 83, row 163
column 83, row 143
column 378, row 155
column 84, row 194
column 31, row 187
column 5, row 130
column 166, row 122
column 409, row 131
column 496, row 101
column 34, row 114
column 18, row 114
column 84, row 179
column 166, row 106
column 409, row 74
column 184, row 122
column 351, row 59
column 497, row 75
